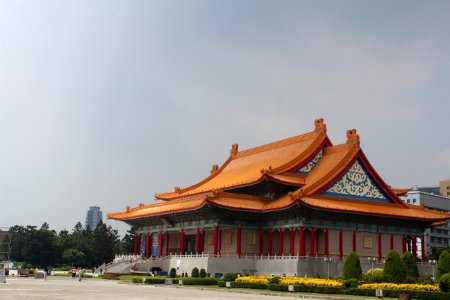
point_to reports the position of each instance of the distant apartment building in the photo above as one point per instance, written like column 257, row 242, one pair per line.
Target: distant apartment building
column 93, row 217
column 437, row 236
column 444, row 188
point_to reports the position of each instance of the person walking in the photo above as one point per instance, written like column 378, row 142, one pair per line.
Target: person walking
column 74, row 272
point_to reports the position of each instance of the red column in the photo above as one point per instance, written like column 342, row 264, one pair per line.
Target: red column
column 291, row 242
column 270, row 242
column 160, row 244
column 327, row 252
column 203, row 240
column 403, row 244
column 147, row 246
column 341, row 252
column 182, row 242
column 216, row 237
column 354, row 241
column 197, row 241
column 238, row 241
column 167, row 243
column 281, row 242
column 424, row 257
column 301, row 237
column 220, row 241
column 392, row 241
column 313, row 248
column 380, row 257
column 135, row 243
column 414, row 247
column 261, row 238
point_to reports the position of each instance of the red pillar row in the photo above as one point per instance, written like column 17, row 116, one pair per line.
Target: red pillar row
column 220, row 241
column 424, row 257
column 392, row 242
column 313, row 248
column 341, row 253
column 281, row 242
column 216, row 237
column 135, row 243
column 167, row 244
column 160, row 244
column 354, row 241
column 182, row 242
column 238, row 241
column 270, row 242
column 147, row 245
column 403, row 244
column 197, row 241
column 380, row 257
column 414, row 247
column 203, row 241
column 291, row 242
column 327, row 252
column 261, row 239
column 301, row 238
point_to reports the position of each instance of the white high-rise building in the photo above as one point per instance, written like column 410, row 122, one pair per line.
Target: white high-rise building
column 93, row 217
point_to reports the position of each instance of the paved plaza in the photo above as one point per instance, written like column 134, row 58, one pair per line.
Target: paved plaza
column 66, row 288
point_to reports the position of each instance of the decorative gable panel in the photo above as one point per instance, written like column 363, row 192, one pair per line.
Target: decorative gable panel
column 305, row 169
column 357, row 184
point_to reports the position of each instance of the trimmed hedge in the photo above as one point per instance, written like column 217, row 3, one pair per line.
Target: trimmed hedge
column 246, row 285
column 195, row 272
column 199, row 281
column 220, row 283
column 394, row 268
column 352, row 267
column 443, row 265
column 153, row 280
column 230, row 276
column 424, row 295
column 444, row 283
column 202, row 273
column 173, row 273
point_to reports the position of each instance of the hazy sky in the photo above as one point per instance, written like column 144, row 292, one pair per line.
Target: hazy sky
column 107, row 102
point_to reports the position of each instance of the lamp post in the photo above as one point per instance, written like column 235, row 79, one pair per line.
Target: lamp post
column 328, row 260
column 372, row 260
column 432, row 262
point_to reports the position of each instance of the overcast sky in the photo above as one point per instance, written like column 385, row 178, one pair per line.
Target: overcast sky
column 107, row 102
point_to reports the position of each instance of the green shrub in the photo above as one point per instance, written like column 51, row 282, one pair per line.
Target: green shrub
column 249, row 285
column 352, row 267
column 412, row 272
column 110, row 276
column 136, row 280
column 230, row 276
column 374, row 275
column 202, row 273
column 195, row 272
column 220, row 283
column 274, row 280
column 173, row 273
column 444, row 283
column 200, row 281
column 394, row 268
column 443, row 265
column 351, row 283
column 155, row 280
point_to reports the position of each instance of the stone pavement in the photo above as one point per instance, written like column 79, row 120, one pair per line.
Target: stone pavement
column 66, row 288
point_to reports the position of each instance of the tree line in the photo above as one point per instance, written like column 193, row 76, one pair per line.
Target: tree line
column 82, row 247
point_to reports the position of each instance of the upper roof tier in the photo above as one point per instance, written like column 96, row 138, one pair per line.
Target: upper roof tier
column 251, row 166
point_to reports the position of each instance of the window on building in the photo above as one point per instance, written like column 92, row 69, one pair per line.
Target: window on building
column 414, row 200
column 407, row 200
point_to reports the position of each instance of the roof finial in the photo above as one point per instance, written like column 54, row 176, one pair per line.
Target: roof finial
column 214, row 168
column 352, row 137
column 234, row 150
column 127, row 208
column 177, row 190
column 319, row 125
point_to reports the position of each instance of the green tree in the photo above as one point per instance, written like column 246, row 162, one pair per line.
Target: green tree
column 394, row 268
column 352, row 267
column 73, row 257
column 195, row 272
column 105, row 244
column 412, row 272
column 127, row 243
column 443, row 264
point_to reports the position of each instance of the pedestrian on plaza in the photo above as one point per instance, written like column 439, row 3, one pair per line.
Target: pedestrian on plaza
column 81, row 274
column 45, row 273
column 74, row 272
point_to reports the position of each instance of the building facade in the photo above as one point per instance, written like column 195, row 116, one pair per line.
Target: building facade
column 435, row 236
column 444, row 187
column 93, row 216
column 290, row 206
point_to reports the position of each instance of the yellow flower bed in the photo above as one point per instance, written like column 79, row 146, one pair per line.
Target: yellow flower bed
column 291, row 280
column 254, row 279
column 309, row 281
column 402, row 286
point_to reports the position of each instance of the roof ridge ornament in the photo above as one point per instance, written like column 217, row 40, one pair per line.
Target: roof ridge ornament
column 267, row 170
column 177, row 190
column 352, row 137
column 214, row 168
column 320, row 126
column 234, row 150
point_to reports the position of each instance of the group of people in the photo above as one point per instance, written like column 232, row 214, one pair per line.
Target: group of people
column 80, row 272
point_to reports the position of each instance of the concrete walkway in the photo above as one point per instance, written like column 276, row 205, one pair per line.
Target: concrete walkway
column 66, row 288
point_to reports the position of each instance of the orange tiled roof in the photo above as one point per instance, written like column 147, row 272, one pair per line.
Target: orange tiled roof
column 277, row 161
